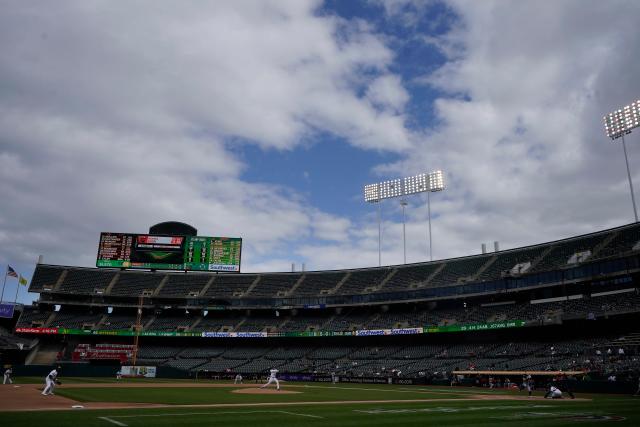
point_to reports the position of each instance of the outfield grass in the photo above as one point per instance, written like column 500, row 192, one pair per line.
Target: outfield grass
column 535, row 413
column 453, row 414
column 188, row 395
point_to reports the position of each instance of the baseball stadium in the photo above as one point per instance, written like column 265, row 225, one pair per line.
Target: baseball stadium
column 450, row 181
column 482, row 339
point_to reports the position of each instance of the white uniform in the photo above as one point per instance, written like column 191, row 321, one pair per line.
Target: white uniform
column 238, row 379
column 50, row 381
column 555, row 393
column 272, row 379
column 7, row 376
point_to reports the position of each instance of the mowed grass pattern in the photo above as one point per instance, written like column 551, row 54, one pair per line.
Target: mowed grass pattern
column 601, row 410
column 188, row 395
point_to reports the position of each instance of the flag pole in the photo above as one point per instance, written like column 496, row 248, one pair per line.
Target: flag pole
column 4, row 283
column 17, row 290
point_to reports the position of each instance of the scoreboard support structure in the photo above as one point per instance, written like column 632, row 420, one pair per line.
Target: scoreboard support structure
column 138, row 328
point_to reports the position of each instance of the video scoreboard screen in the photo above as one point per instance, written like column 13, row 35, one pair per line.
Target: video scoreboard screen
column 157, row 252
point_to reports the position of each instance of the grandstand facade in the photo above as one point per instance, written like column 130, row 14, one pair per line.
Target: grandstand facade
column 524, row 308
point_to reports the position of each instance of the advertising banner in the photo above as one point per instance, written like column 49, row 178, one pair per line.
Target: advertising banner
column 249, row 334
column 48, row 331
column 6, row 310
column 138, row 371
column 475, row 326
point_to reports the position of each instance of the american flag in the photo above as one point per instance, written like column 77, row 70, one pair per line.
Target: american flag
column 11, row 272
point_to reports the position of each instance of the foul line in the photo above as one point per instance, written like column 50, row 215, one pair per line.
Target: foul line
column 118, row 423
column 204, row 413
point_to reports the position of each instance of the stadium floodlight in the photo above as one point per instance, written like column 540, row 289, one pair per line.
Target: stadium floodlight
column 421, row 183
column 618, row 124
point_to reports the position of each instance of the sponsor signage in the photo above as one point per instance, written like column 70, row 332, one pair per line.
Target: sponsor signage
column 476, row 326
column 6, row 310
column 138, row 371
column 249, row 334
column 404, row 331
column 48, row 331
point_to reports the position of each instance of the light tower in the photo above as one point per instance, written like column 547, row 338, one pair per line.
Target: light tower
column 401, row 187
column 619, row 123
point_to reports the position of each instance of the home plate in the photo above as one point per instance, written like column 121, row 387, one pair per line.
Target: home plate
column 16, row 386
column 77, row 407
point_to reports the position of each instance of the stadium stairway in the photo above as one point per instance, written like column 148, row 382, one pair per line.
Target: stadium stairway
column 252, row 287
column 60, row 280
column 149, row 323
column 386, row 279
column 195, row 324
column 161, row 285
column 112, row 284
column 484, row 267
column 296, row 285
column 46, row 354
column 50, row 320
column 605, row 242
column 204, row 291
column 542, row 256
column 237, row 327
column 432, row 275
column 340, row 283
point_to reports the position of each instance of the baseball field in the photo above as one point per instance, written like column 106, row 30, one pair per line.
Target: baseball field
column 85, row 402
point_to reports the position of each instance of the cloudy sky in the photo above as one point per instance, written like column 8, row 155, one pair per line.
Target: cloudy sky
column 264, row 119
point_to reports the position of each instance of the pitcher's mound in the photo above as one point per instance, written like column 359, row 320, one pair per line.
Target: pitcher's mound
column 263, row 391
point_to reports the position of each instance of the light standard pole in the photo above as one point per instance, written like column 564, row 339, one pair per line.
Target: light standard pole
column 429, row 183
column 429, row 217
column 379, row 234
column 403, row 203
column 436, row 183
column 619, row 123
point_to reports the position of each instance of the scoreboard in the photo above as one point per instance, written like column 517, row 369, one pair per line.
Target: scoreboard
column 148, row 251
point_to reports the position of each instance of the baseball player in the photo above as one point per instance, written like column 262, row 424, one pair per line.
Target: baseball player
column 553, row 393
column 530, row 385
column 50, row 381
column 272, row 378
column 238, row 379
column 7, row 376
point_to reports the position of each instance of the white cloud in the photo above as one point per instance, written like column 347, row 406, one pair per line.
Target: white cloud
column 519, row 130
column 387, row 92
column 115, row 117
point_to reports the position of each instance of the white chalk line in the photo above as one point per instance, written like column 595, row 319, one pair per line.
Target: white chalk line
column 181, row 414
column 118, row 423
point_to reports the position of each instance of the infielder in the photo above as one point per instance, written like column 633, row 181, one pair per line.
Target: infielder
column 238, row 379
column 272, row 378
column 553, row 393
column 530, row 385
column 50, row 381
column 7, row 376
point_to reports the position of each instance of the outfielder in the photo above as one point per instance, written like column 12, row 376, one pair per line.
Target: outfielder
column 7, row 376
column 50, row 381
column 272, row 378
column 238, row 379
